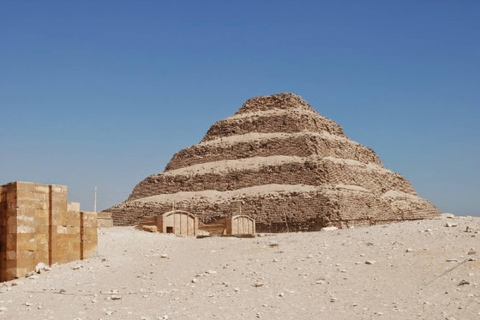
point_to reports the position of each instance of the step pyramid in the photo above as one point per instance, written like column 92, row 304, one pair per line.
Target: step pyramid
column 282, row 163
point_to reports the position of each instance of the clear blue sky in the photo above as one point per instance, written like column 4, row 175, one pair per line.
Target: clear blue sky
column 105, row 92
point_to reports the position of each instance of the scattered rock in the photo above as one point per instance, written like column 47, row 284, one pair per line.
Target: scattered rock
column 329, row 229
column 370, row 262
column 451, row 225
column 463, row 283
column 41, row 267
column 30, row 274
column 149, row 228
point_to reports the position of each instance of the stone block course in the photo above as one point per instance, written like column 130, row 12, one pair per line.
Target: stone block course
column 309, row 170
column 301, row 144
column 269, row 123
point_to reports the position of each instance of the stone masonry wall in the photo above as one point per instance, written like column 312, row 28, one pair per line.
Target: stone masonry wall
column 38, row 225
column 8, row 235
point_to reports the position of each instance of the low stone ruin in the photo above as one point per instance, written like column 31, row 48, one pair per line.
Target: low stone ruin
column 281, row 163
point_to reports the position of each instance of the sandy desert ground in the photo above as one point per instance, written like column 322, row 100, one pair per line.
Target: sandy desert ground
column 411, row 270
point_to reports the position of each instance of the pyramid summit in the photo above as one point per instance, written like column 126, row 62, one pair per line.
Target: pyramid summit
column 278, row 113
column 282, row 101
column 280, row 162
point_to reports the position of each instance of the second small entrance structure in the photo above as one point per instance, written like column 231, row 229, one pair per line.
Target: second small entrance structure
column 236, row 225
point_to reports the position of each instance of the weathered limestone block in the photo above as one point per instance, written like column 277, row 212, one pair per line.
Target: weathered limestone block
column 89, row 234
column 104, row 220
column 149, row 228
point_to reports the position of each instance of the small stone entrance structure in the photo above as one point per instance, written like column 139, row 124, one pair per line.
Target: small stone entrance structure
column 236, row 225
column 240, row 225
column 38, row 225
column 179, row 222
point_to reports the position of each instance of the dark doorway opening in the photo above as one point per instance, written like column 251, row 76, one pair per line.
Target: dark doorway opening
column 169, row 229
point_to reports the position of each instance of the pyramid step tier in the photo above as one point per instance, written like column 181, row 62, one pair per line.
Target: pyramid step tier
column 273, row 121
column 288, row 170
column 284, row 100
column 279, row 208
column 301, row 144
